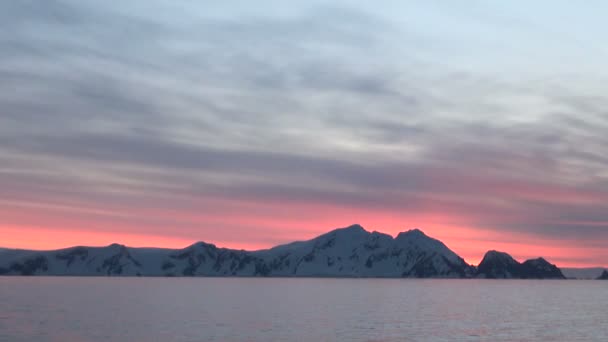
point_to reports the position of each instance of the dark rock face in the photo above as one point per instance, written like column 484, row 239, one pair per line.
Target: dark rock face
column 70, row 256
column 604, row 275
column 167, row 265
column 114, row 265
column 427, row 257
column 500, row 265
column 204, row 259
column 29, row 266
column 540, row 269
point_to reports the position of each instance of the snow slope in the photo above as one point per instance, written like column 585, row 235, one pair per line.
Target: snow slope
column 344, row 252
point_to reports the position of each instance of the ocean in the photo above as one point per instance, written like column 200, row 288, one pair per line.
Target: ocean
column 300, row 309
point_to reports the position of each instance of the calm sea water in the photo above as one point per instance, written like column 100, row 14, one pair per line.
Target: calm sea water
column 232, row 309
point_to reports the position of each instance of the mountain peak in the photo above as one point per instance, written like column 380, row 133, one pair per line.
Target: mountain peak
column 538, row 261
column 200, row 244
column 541, row 268
column 497, row 255
column 497, row 264
column 416, row 231
column 354, row 228
column 412, row 233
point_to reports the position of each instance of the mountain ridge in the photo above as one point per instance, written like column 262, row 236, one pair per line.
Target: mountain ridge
column 351, row 251
column 500, row 265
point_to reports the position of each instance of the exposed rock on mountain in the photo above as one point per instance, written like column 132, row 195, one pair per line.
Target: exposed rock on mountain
column 344, row 252
column 500, row 265
column 540, row 268
column 355, row 252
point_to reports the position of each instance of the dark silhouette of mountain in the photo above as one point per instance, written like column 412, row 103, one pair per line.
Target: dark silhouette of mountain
column 603, row 276
column 344, row 252
column 540, row 268
column 500, row 265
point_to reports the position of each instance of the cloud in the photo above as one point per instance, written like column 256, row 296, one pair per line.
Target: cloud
column 132, row 113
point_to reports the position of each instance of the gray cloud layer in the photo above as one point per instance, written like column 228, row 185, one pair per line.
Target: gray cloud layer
column 156, row 106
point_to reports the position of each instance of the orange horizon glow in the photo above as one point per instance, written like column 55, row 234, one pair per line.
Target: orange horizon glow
column 267, row 224
column 472, row 251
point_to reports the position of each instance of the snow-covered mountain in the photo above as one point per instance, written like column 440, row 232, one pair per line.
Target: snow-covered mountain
column 355, row 252
column 500, row 265
column 344, row 252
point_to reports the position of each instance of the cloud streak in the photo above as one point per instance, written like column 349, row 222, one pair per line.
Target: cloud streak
column 251, row 128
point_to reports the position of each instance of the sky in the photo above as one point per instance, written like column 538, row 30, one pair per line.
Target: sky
column 250, row 124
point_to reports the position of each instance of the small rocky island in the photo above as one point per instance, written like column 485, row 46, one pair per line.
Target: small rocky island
column 500, row 265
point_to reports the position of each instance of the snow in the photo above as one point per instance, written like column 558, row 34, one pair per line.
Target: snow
column 345, row 252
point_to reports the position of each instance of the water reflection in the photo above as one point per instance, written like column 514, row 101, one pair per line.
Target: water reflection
column 231, row 309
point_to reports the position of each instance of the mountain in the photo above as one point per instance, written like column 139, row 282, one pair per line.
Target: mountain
column 500, row 265
column 603, row 276
column 355, row 252
column 343, row 252
column 540, row 268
